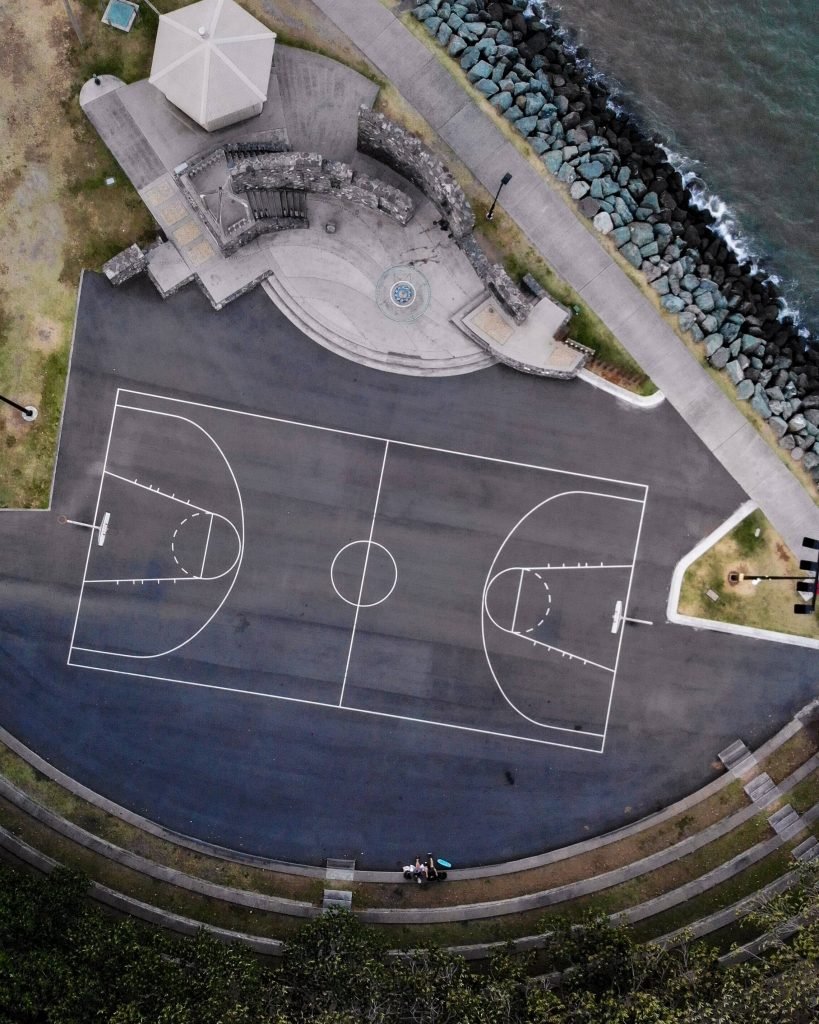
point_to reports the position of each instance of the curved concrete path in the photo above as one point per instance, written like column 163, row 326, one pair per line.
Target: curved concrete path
column 575, row 253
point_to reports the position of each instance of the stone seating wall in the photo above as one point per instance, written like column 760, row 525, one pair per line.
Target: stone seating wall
column 310, row 172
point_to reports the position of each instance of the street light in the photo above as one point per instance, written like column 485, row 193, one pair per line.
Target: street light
column 807, row 587
column 28, row 412
column 504, row 181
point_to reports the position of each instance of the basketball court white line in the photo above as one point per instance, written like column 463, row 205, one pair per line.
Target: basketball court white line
column 91, row 540
column 361, row 711
column 548, row 728
column 383, row 440
column 490, row 578
column 363, row 574
column 559, row 568
column 207, row 542
column 171, row 497
column 153, row 579
column 517, row 603
column 622, row 624
column 540, row 643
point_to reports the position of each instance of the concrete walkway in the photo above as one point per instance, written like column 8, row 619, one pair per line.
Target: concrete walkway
column 577, row 256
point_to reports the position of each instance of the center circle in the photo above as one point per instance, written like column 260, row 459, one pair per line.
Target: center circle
column 402, row 293
column 363, row 573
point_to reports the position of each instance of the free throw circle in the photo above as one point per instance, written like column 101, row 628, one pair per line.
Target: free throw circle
column 363, row 573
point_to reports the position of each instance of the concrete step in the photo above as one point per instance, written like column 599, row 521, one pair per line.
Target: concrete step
column 785, row 822
column 337, row 898
column 806, row 850
column 354, row 349
column 760, row 787
column 340, row 870
column 737, row 758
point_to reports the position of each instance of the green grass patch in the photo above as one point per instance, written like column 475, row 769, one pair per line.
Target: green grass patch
column 743, row 884
column 790, row 755
column 129, row 837
column 805, row 794
column 156, row 893
column 765, row 604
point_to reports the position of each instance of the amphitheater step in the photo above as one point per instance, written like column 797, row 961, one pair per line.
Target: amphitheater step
column 340, row 870
column 760, row 788
column 339, row 899
column 282, row 204
column 350, row 349
column 786, row 822
column 806, row 850
column 737, row 758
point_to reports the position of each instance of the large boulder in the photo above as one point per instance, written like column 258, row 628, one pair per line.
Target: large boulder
column 483, row 69
column 632, row 254
column 487, row 87
column 720, row 358
column 502, row 101
column 591, row 170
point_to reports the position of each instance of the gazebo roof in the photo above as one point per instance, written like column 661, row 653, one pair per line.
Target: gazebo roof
column 212, row 59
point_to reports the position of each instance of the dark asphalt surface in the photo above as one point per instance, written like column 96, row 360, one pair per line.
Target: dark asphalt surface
column 294, row 781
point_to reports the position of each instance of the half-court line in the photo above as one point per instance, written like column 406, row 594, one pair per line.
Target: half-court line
column 364, row 574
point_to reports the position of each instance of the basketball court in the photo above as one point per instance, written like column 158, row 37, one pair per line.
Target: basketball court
column 356, row 573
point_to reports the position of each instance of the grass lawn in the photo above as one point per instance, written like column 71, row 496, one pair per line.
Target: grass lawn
column 766, row 605
column 56, row 214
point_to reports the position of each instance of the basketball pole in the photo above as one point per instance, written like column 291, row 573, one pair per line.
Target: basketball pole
column 102, row 528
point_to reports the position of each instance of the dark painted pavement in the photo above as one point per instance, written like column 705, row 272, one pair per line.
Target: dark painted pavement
column 300, row 782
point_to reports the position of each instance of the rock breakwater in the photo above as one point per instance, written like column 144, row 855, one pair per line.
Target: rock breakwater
column 622, row 180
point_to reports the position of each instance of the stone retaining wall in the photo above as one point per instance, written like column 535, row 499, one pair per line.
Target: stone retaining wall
column 536, row 79
column 248, row 230
column 125, row 265
column 408, row 156
column 310, row 172
column 404, row 152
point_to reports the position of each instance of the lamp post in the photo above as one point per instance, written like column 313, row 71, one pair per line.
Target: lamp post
column 504, row 181
column 807, row 587
column 28, row 412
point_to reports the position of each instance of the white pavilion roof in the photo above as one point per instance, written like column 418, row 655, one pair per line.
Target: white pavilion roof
column 212, row 59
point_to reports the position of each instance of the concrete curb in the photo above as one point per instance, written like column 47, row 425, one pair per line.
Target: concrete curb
column 311, row 871
column 25, row 854
column 137, row 821
column 621, row 394
column 723, row 627
column 518, row 904
column 152, row 869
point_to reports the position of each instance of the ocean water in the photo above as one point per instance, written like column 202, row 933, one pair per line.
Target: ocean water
column 733, row 88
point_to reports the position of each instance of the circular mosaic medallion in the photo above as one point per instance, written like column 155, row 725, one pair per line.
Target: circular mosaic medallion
column 402, row 294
